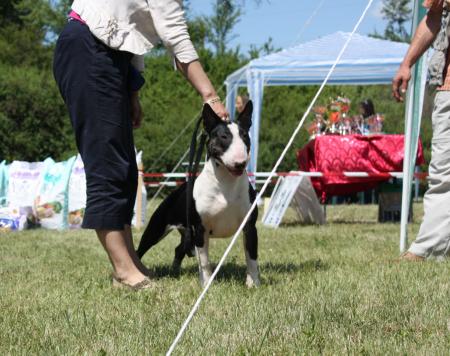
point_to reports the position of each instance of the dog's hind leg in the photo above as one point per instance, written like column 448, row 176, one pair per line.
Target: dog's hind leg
column 180, row 253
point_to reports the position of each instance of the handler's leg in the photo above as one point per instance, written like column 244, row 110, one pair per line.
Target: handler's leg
column 434, row 235
column 116, row 247
column 132, row 251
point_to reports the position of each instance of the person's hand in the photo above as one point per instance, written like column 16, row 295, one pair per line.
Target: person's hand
column 218, row 107
column 136, row 110
column 400, row 82
column 221, row 111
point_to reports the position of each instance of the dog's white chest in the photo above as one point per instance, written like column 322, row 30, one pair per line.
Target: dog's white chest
column 221, row 205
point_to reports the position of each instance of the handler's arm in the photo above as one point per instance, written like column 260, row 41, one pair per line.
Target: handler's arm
column 195, row 74
column 423, row 38
column 170, row 24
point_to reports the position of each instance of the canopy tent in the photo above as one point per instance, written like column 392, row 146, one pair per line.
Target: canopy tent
column 366, row 61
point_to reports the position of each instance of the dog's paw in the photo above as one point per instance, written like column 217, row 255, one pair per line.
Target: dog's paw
column 176, row 266
column 252, row 282
column 204, row 277
column 190, row 252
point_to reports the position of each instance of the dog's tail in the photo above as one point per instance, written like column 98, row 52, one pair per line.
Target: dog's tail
column 155, row 230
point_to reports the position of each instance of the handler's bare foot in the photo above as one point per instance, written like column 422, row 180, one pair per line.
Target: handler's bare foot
column 411, row 257
column 128, row 279
column 146, row 283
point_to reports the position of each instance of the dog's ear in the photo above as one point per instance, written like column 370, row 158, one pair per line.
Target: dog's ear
column 245, row 117
column 210, row 118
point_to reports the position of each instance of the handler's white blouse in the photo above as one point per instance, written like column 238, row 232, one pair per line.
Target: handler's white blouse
column 137, row 26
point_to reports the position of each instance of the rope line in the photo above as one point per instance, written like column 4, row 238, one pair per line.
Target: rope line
column 308, row 22
column 180, row 161
column 174, row 141
column 287, row 147
column 297, row 174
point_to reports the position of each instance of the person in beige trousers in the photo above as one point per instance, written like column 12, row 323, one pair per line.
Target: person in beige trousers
column 433, row 239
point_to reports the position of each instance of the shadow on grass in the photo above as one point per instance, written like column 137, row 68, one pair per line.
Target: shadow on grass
column 231, row 271
column 352, row 222
column 330, row 222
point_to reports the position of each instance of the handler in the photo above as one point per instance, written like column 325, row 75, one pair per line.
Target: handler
column 434, row 235
column 97, row 64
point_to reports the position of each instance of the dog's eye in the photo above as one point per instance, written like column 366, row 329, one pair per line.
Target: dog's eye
column 223, row 137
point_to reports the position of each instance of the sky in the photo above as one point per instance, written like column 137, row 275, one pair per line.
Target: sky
column 284, row 20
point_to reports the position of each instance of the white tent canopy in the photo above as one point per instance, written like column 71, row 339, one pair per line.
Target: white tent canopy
column 366, row 61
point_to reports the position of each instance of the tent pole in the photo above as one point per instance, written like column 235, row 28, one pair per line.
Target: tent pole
column 413, row 114
column 231, row 98
column 255, row 86
column 406, row 174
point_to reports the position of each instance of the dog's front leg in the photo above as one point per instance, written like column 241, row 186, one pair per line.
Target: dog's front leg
column 203, row 261
column 251, row 255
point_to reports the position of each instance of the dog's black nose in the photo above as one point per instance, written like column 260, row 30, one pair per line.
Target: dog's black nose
column 240, row 166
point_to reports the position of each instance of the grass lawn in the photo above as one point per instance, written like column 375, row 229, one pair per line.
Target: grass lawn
column 334, row 289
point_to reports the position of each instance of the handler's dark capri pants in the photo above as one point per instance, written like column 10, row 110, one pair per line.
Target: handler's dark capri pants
column 94, row 82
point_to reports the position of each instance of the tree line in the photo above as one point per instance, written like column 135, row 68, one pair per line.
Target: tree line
column 34, row 122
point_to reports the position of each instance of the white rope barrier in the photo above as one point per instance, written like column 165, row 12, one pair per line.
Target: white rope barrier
column 308, row 23
column 272, row 173
column 294, row 173
column 161, row 187
column 174, row 141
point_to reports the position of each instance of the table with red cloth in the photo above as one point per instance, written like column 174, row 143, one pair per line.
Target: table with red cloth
column 335, row 154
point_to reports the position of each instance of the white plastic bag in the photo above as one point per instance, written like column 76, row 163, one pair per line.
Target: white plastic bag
column 24, row 182
column 15, row 219
column 3, row 182
column 141, row 196
column 77, row 195
column 51, row 204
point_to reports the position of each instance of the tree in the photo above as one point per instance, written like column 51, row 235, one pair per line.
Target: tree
column 398, row 14
column 34, row 123
column 220, row 25
column 266, row 48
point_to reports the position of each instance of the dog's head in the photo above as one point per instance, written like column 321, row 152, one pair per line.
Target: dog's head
column 229, row 142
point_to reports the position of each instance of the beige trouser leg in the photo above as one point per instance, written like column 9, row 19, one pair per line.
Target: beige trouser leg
column 434, row 234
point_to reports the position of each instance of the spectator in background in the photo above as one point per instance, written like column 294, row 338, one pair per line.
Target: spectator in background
column 366, row 108
column 241, row 101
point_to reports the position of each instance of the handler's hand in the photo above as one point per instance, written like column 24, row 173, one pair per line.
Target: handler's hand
column 221, row 111
column 400, row 82
column 136, row 110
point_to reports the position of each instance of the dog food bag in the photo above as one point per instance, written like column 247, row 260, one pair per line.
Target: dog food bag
column 23, row 183
column 77, row 195
column 3, row 182
column 142, row 199
column 15, row 219
column 51, row 205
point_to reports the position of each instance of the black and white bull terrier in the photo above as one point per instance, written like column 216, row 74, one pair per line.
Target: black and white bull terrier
column 222, row 197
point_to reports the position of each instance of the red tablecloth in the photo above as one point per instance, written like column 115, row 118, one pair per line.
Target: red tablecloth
column 352, row 153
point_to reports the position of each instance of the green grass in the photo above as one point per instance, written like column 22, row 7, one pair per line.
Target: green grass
column 333, row 289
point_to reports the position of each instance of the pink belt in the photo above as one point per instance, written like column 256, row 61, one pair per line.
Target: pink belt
column 74, row 16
